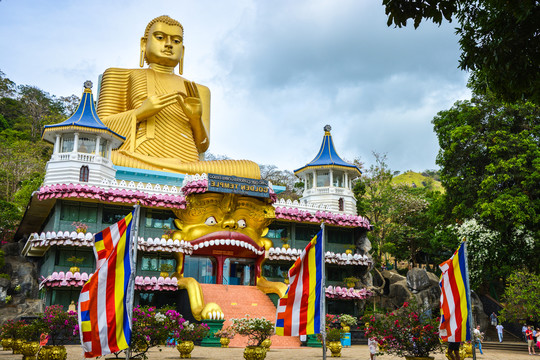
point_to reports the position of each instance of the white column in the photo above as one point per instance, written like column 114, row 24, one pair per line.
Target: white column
column 56, row 149
column 76, row 143
column 314, row 178
column 109, row 149
column 331, row 178
column 346, row 180
column 305, row 181
column 98, row 143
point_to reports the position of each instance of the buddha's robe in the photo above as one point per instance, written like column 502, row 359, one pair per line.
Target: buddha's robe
column 167, row 135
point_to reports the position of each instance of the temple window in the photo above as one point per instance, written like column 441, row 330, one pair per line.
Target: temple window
column 338, row 178
column 103, row 148
column 154, row 262
column 87, row 145
column 340, row 204
column 309, row 180
column 277, row 232
column 323, row 178
column 203, row 269
column 113, row 214
column 340, row 236
column 63, row 254
column 306, row 232
column 84, row 173
column 73, row 211
column 66, row 145
column 159, row 219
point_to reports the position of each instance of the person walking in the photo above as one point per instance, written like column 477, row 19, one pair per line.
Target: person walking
column 493, row 318
column 530, row 340
column 478, row 338
column 500, row 332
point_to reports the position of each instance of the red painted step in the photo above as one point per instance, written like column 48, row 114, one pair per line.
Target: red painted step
column 237, row 301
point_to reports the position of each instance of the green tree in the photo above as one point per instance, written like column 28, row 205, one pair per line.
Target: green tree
column 375, row 199
column 499, row 39
column 522, row 302
column 490, row 167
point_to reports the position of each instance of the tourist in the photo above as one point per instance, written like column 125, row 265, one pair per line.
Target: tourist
column 538, row 338
column 523, row 330
column 478, row 338
column 373, row 347
column 493, row 318
column 453, row 350
column 530, row 340
column 500, row 332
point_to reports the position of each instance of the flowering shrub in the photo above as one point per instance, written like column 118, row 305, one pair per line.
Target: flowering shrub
column 187, row 331
column 225, row 333
column 80, row 227
column 151, row 327
column 409, row 331
column 333, row 334
column 348, row 320
column 256, row 329
column 61, row 326
column 12, row 329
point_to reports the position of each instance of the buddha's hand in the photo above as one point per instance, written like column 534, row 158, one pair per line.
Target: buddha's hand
column 191, row 103
column 154, row 104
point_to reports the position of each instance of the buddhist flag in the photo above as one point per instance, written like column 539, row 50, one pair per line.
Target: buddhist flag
column 300, row 311
column 455, row 298
column 106, row 300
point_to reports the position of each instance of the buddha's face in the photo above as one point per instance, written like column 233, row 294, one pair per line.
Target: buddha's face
column 211, row 216
column 164, row 44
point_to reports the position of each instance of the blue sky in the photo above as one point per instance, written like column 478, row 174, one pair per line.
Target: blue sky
column 278, row 70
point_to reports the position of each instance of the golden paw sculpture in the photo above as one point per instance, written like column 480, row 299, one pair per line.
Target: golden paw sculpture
column 224, row 225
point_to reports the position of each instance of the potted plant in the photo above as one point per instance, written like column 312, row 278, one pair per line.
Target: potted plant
column 285, row 241
column 17, row 333
column 80, row 227
column 346, row 322
column 31, row 334
column 333, row 340
column 167, row 232
column 76, row 262
column 350, row 281
column 62, row 327
column 8, row 334
column 257, row 330
column 151, row 327
column 225, row 336
column 165, row 269
column 409, row 332
column 186, row 333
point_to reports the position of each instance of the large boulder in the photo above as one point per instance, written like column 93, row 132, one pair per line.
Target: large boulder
column 399, row 293
column 392, row 276
column 418, row 280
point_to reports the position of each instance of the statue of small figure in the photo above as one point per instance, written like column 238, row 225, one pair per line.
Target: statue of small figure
column 72, row 306
column 164, row 117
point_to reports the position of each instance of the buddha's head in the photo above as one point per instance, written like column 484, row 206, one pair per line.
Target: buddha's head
column 162, row 42
column 213, row 216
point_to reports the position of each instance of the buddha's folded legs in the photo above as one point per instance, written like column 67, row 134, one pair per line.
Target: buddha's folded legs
column 241, row 168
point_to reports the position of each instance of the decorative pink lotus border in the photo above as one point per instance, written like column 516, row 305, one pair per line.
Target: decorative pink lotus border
column 68, row 279
column 293, row 214
column 110, row 195
column 291, row 254
column 344, row 293
column 86, row 240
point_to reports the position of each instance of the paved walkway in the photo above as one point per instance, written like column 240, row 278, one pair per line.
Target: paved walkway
column 354, row 352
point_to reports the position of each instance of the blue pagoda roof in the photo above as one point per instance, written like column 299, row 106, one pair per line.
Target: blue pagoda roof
column 328, row 156
column 85, row 118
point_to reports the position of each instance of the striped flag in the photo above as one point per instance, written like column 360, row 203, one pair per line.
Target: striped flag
column 300, row 311
column 106, row 300
column 455, row 298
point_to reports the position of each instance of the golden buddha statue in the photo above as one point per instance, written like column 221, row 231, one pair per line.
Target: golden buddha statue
column 164, row 117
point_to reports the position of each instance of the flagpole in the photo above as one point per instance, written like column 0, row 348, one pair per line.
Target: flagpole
column 323, row 292
column 471, row 330
column 134, row 241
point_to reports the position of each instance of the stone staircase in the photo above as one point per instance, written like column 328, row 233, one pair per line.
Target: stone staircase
column 237, row 301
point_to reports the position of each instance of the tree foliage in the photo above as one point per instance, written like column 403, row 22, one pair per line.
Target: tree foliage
column 522, row 302
column 499, row 39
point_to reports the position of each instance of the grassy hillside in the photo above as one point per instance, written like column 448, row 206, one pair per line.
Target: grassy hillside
column 418, row 179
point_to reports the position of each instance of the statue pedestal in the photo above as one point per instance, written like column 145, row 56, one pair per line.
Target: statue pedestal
column 312, row 341
column 210, row 340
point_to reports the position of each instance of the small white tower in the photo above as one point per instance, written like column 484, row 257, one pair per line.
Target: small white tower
column 328, row 179
column 82, row 146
